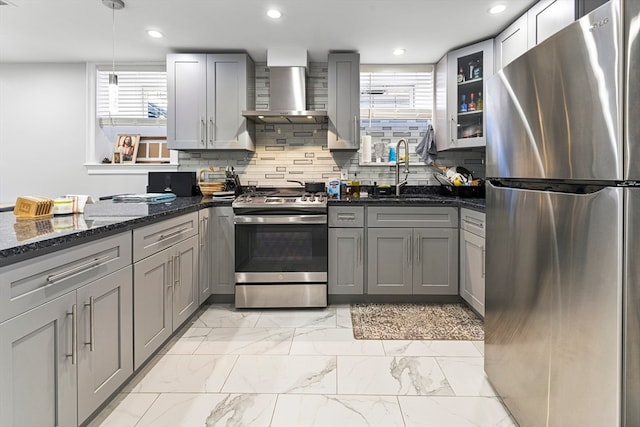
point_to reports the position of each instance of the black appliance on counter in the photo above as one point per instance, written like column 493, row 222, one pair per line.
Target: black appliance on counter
column 182, row 184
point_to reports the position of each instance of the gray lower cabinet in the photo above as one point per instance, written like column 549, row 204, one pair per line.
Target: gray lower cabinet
column 166, row 286
column 207, row 239
column 38, row 380
column 65, row 332
column 422, row 259
column 223, row 253
column 346, row 250
column 472, row 258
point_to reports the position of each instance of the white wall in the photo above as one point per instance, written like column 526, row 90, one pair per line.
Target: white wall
column 43, row 134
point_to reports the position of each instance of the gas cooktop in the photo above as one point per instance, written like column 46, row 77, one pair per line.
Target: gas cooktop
column 280, row 199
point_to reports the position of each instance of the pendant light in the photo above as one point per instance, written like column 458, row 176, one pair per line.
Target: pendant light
column 113, row 77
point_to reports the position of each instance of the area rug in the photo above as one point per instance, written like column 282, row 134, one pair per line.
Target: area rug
column 415, row 322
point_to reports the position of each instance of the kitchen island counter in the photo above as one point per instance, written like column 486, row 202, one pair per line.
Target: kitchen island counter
column 22, row 239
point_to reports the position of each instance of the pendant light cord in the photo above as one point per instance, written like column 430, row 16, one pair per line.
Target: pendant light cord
column 113, row 39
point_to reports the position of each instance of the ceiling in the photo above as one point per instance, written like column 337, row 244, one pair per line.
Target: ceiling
column 82, row 30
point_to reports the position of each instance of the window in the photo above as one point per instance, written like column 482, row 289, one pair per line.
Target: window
column 396, row 92
column 141, row 110
column 142, row 93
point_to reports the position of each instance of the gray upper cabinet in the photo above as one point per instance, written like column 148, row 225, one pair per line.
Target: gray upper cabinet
column 346, row 250
column 206, row 95
column 459, row 96
column 344, row 101
column 511, row 43
column 547, row 17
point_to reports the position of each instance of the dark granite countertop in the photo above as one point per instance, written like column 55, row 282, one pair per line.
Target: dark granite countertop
column 414, row 200
column 21, row 239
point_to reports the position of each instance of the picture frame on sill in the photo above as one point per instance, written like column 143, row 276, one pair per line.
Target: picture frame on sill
column 127, row 148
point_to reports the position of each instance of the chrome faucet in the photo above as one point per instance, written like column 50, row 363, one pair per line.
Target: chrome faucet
column 399, row 184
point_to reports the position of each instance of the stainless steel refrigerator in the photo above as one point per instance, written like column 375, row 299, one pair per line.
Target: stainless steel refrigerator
column 562, row 340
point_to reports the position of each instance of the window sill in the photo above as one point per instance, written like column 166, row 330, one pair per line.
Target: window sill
column 129, row 169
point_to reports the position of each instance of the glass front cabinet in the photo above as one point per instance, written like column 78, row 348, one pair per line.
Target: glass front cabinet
column 460, row 87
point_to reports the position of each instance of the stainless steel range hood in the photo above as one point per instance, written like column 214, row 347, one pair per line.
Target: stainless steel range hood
column 287, row 98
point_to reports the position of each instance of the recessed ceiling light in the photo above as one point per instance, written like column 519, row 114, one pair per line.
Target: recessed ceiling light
column 399, row 52
column 155, row 34
column 499, row 8
column 274, row 13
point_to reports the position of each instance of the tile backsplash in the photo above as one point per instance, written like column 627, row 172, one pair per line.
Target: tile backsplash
column 299, row 152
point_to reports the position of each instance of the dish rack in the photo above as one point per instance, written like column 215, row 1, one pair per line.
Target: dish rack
column 209, row 186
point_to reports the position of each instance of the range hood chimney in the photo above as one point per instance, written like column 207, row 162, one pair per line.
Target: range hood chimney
column 287, row 95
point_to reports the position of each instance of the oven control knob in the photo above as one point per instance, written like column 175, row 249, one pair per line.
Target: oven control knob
column 280, row 277
column 303, row 197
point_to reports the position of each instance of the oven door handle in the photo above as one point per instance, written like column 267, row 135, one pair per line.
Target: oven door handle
column 281, row 219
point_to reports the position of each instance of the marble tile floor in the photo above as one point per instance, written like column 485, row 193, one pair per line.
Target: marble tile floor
column 297, row 368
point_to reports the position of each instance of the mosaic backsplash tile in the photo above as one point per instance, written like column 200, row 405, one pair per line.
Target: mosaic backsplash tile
column 300, row 151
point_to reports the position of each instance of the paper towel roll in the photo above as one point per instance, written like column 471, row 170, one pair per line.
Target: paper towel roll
column 366, row 149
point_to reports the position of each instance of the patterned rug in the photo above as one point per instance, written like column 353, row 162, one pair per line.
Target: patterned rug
column 415, row 322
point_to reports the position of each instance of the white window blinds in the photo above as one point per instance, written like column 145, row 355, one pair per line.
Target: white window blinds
column 396, row 92
column 142, row 92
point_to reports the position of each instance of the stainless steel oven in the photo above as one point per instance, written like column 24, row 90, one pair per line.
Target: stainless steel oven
column 280, row 250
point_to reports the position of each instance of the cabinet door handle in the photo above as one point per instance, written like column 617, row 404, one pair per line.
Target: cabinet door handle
column 170, row 273
column 86, row 266
column 211, row 129
column 203, row 131
column 74, row 334
column 477, row 224
column 201, row 232
column 454, row 130
column 359, row 243
column 483, row 259
column 418, row 247
column 176, row 271
column 205, row 230
column 92, row 327
column 355, row 130
column 409, row 243
column 175, row 233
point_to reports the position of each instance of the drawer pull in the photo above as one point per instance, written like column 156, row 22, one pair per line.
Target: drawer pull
column 477, row 224
column 346, row 216
column 175, row 233
column 87, row 266
column 92, row 325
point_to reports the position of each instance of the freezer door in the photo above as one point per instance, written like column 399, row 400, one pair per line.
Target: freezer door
column 555, row 112
column 632, row 84
column 553, row 309
column 631, row 364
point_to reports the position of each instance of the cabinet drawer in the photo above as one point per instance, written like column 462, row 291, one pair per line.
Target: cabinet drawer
column 346, row 216
column 473, row 221
column 153, row 238
column 424, row 216
column 33, row 282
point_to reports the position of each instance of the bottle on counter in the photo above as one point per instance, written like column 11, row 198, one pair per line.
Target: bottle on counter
column 355, row 187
